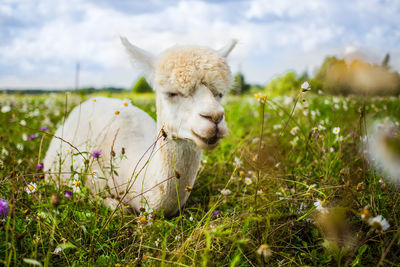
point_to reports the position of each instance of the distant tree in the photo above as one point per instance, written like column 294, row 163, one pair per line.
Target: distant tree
column 385, row 61
column 287, row 83
column 336, row 76
column 142, row 86
column 239, row 85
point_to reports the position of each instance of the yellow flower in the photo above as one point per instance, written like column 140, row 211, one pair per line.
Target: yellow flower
column 77, row 183
column 126, row 104
column 143, row 220
column 116, row 112
column 94, row 100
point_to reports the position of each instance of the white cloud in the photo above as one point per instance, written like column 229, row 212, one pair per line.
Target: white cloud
column 274, row 36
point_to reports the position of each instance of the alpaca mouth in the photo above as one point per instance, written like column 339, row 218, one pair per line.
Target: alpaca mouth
column 209, row 141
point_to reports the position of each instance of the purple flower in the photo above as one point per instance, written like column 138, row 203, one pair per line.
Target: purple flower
column 33, row 136
column 68, row 194
column 39, row 166
column 3, row 207
column 96, row 154
column 215, row 213
column 44, row 128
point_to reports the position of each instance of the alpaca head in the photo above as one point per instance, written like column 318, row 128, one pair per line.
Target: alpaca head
column 190, row 83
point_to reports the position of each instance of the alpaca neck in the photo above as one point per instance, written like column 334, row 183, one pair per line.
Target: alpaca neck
column 176, row 164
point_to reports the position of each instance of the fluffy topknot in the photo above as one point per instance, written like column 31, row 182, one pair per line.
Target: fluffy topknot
column 183, row 68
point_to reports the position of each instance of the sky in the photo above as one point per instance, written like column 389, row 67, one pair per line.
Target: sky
column 42, row 41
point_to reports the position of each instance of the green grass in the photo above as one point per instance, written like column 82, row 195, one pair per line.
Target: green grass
column 289, row 171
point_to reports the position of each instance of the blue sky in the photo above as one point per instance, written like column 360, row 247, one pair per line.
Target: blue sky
column 41, row 41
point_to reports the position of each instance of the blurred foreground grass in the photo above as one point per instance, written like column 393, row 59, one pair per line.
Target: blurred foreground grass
column 279, row 190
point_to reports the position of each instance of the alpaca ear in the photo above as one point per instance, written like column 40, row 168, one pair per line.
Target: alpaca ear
column 141, row 59
column 224, row 51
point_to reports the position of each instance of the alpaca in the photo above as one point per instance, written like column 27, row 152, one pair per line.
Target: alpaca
column 160, row 159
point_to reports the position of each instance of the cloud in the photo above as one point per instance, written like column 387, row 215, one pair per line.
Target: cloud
column 44, row 40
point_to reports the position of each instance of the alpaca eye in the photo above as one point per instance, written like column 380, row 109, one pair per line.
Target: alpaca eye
column 172, row 94
column 220, row 95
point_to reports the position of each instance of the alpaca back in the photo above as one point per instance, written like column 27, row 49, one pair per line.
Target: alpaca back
column 93, row 125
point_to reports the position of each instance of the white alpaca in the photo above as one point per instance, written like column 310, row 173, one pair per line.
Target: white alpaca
column 189, row 82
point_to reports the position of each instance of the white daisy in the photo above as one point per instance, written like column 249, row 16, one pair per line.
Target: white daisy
column 248, row 181
column 5, row 109
column 320, row 208
column 226, row 192
column 336, row 130
column 31, row 188
column 379, row 223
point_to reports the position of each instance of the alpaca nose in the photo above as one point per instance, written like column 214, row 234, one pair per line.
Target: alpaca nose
column 213, row 117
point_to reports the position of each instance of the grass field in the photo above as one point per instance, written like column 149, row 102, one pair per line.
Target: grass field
column 286, row 187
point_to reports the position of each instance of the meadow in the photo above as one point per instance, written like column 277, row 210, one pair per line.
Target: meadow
column 289, row 185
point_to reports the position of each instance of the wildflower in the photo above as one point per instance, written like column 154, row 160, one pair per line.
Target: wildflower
column 191, row 218
column 294, row 130
column 237, row 162
column 226, row 192
column 332, row 149
column 68, row 194
column 248, row 181
column 97, row 153
column 3, row 207
column 5, row 109
column 305, row 87
column 189, row 188
column 44, row 128
column 277, row 126
column 143, row 220
column 58, row 249
column 383, row 149
column 31, row 188
column 4, row 152
column 40, row 166
column 365, row 215
column 94, row 100
column 379, row 223
column 336, row 130
column 24, row 136
column 264, row 251
column 257, row 96
column 321, row 127
column 215, row 213
column 116, row 112
column 126, row 104
column 33, row 136
column 157, row 242
column 318, row 207
column 22, row 123
column 20, row 146
column 77, row 183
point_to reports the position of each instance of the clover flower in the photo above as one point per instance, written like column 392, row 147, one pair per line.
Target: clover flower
column 31, row 188
column 68, row 194
column 44, row 128
column 40, row 166
column 97, row 153
column 32, row 137
column 3, row 207
column 215, row 213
